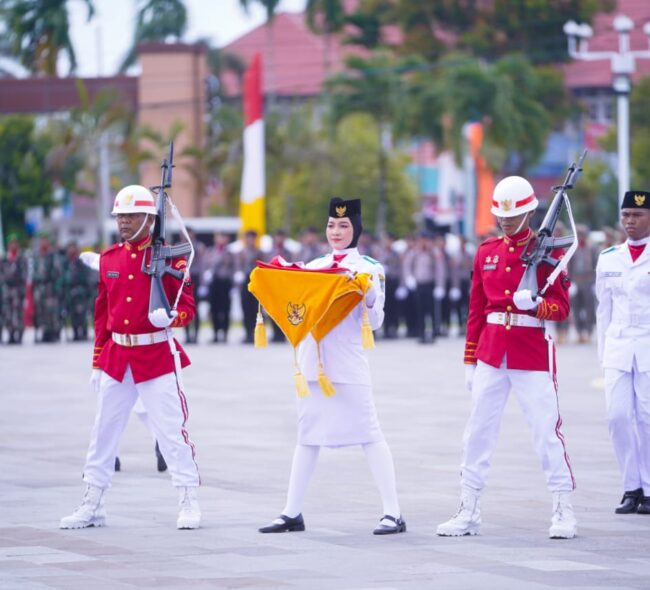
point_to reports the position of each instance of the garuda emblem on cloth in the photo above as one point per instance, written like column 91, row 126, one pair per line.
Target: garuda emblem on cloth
column 295, row 313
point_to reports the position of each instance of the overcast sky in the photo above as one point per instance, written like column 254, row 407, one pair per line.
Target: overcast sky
column 101, row 43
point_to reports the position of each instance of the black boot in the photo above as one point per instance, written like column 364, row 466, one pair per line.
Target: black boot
column 630, row 502
column 162, row 464
column 644, row 506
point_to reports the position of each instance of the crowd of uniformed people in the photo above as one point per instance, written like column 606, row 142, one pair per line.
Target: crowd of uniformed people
column 427, row 284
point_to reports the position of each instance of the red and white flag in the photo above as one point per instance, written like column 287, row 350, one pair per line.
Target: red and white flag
column 252, row 203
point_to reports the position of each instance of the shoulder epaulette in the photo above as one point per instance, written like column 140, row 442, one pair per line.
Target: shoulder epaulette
column 111, row 249
column 491, row 240
column 608, row 250
column 371, row 260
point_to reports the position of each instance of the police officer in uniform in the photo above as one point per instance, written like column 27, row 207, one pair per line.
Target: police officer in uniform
column 47, row 283
column 245, row 263
column 14, row 277
column 136, row 355
column 348, row 417
column 623, row 324
column 507, row 348
column 77, row 289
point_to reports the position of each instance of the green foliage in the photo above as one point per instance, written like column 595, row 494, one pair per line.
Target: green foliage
column 37, row 31
column 594, row 199
column 158, row 20
column 24, row 181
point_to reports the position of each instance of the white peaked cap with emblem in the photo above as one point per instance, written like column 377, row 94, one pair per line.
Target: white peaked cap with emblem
column 134, row 199
column 513, row 196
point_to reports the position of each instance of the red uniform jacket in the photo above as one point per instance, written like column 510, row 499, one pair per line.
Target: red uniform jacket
column 497, row 272
column 122, row 306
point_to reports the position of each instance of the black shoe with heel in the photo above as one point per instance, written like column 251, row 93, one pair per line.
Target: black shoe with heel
column 288, row 525
column 384, row 529
column 630, row 502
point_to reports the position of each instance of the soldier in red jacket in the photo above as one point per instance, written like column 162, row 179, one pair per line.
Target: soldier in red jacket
column 134, row 357
column 507, row 347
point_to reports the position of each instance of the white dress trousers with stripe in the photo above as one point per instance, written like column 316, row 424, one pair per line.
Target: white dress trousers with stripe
column 166, row 407
column 537, row 397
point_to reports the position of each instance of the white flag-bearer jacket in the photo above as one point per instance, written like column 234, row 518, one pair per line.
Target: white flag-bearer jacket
column 623, row 313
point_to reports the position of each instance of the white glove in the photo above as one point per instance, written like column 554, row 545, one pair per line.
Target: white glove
column 207, row 276
column 524, row 300
column 410, row 283
column 371, row 294
column 160, row 319
column 90, row 259
column 401, row 293
column 238, row 277
column 573, row 290
column 469, row 376
column 439, row 293
column 95, row 378
column 454, row 294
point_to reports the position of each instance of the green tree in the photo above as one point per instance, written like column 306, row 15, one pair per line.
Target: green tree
column 326, row 17
column 372, row 86
column 38, row 31
column 158, row 20
column 24, row 181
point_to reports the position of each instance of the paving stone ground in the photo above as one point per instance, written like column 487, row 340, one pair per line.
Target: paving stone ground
column 242, row 419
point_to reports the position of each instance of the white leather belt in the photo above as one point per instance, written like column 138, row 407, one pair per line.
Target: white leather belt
column 505, row 318
column 140, row 339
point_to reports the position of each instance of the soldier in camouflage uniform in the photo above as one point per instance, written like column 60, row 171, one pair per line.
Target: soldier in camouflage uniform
column 14, row 281
column 77, row 292
column 46, row 284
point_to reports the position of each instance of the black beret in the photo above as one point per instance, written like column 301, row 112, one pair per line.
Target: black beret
column 341, row 208
column 636, row 200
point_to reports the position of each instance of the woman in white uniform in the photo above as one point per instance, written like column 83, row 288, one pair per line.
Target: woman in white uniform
column 348, row 417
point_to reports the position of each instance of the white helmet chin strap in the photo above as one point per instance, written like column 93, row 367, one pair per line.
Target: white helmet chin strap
column 523, row 220
column 136, row 234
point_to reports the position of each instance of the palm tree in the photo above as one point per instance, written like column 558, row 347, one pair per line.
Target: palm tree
column 158, row 20
column 326, row 17
column 38, row 31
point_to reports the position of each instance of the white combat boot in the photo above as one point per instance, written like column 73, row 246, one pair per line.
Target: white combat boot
column 189, row 516
column 563, row 521
column 91, row 512
column 467, row 521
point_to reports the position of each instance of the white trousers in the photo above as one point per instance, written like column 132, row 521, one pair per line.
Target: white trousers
column 166, row 407
column 628, row 412
column 537, row 396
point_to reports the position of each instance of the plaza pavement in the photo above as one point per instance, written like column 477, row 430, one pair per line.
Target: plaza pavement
column 242, row 420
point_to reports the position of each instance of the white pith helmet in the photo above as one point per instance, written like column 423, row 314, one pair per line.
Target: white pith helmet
column 513, row 196
column 134, row 199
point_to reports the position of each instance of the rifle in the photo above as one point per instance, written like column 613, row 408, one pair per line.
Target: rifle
column 539, row 249
column 159, row 252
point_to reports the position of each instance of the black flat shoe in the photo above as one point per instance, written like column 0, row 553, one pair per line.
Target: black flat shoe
column 384, row 529
column 288, row 525
column 630, row 502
